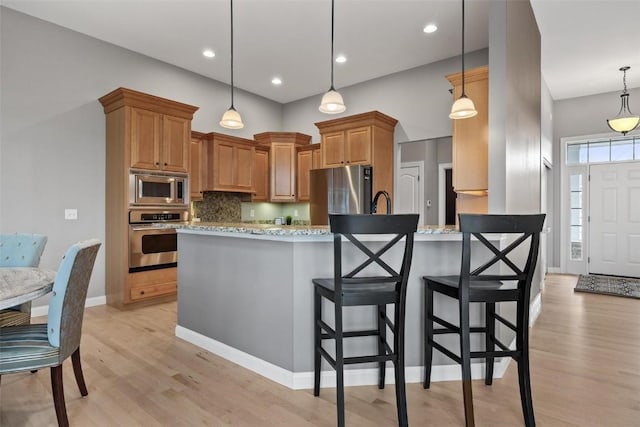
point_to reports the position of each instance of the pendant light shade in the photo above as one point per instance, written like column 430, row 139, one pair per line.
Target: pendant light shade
column 231, row 118
column 463, row 108
column 332, row 102
column 625, row 121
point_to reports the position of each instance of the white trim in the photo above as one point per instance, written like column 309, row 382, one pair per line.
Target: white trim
column 535, row 308
column 442, row 191
column 352, row 377
column 554, row 270
column 43, row 310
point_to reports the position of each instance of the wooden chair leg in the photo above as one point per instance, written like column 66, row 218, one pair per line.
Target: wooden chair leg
column 317, row 342
column 339, row 366
column 58, row 396
column 382, row 339
column 490, row 325
column 524, row 378
column 398, row 348
column 465, row 355
column 77, row 371
column 428, row 336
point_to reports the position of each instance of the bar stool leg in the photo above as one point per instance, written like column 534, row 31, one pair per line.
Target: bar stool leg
column 428, row 336
column 398, row 348
column 382, row 339
column 465, row 355
column 490, row 325
column 339, row 366
column 317, row 341
column 524, row 379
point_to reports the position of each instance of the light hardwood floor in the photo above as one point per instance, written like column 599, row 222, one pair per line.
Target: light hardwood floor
column 585, row 352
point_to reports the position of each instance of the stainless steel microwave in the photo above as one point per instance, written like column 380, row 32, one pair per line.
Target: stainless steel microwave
column 158, row 189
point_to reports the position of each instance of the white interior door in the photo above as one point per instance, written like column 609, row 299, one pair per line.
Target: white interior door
column 411, row 189
column 614, row 227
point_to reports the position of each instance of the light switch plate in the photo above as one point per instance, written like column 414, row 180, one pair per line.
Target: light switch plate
column 71, row 214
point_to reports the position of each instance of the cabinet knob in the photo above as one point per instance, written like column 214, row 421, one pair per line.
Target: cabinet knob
column 348, row 161
column 141, row 292
column 157, row 163
column 341, row 161
column 165, row 163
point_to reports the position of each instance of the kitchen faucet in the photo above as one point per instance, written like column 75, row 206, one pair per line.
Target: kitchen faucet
column 374, row 204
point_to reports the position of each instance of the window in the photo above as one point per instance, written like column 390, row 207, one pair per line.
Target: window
column 576, row 192
column 604, row 150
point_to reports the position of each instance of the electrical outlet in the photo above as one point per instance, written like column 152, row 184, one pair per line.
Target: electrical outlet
column 71, row 214
column 252, row 213
column 295, row 212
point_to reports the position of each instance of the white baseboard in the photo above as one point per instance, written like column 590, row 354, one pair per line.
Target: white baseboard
column 352, row 377
column 43, row 310
column 535, row 308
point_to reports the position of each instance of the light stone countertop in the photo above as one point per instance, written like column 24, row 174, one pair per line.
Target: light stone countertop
column 294, row 232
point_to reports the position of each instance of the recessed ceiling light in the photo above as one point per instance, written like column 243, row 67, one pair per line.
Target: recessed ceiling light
column 276, row 81
column 208, row 53
column 431, row 28
column 341, row 59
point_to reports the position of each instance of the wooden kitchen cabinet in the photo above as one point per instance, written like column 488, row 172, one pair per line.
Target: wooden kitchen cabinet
column 308, row 158
column 230, row 162
column 361, row 139
column 197, row 170
column 282, row 162
column 145, row 132
column 159, row 141
column 470, row 147
column 261, row 175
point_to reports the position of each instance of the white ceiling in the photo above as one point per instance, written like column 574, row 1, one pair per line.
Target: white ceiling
column 584, row 42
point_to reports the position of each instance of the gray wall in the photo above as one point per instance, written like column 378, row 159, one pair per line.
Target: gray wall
column 431, row 152
column 53, row 132
column 418, row 98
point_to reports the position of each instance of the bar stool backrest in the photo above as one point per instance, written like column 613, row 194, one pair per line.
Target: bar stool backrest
column 401, row 228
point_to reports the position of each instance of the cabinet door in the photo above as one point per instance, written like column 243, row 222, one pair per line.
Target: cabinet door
column 358, row 146
column 333, row 149
column 195, row 171
column 305, row 164
column 283, row 172
column 175, row 143
column 243, row 162
column 260, row 176
column 145, row 139
column 471, row 141
column 222, row 166
column 317, row 158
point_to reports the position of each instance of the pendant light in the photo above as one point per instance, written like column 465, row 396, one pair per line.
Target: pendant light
column 231, row 118
column 625, row 121
column 463, row 108
column 332, row 102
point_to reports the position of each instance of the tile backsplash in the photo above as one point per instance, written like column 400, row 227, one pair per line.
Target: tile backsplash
column 219, row 207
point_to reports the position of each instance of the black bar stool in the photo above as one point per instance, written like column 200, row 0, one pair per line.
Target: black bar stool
column 359, row 287
column 482, row 285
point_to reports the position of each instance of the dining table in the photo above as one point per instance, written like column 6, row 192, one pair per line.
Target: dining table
column 21, row 284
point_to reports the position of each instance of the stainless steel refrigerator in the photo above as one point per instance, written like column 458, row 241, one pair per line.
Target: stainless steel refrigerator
column 344, row 190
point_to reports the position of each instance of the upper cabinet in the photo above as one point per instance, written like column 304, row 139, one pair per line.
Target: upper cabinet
column 261, row 175
column 197, row 170
column 470, row 147
column 160, row 129
column 282, row 162
column 361, row 139
column 308, row 158
column 471, row 136
column 229, row 163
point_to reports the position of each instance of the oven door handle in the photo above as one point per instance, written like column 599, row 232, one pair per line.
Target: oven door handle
column 156, row 230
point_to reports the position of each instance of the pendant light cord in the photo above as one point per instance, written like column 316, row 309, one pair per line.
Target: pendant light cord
column 463, row 93
column 232, row 55
column 624, row 79
column 332, row 13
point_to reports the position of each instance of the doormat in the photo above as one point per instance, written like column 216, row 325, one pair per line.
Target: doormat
column 609, row 285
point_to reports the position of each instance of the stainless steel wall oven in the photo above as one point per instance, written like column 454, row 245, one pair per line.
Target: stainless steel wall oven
column 150, row 246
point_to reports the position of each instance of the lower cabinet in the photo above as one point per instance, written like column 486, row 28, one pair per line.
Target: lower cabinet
column 153, row 283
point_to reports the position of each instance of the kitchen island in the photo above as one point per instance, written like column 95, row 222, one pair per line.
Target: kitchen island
column 245, row 293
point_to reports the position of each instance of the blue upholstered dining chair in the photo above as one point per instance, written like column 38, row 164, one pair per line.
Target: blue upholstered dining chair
column 20, row 250
column 39, row 346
